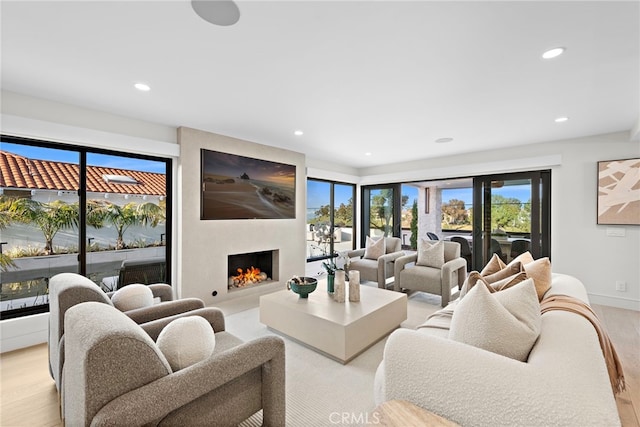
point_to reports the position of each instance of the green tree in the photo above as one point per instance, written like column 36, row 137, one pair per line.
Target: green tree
column 413, row 241
column 505, row 212
column 123, row 217
column 5, row 220
column 454, row 213
column 49, row 217
column 381, row 212
column 343, row 215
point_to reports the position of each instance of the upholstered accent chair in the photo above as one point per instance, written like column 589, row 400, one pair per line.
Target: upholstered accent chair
column 68, row 289
column 409, row 275
column 380, row 269
column 116, row 375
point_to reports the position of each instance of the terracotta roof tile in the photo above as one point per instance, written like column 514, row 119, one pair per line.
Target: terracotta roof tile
column 20, row 172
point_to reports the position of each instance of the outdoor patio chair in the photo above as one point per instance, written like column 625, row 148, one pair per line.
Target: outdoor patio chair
column 432, row 236
column 465, row 249
column 519, row 246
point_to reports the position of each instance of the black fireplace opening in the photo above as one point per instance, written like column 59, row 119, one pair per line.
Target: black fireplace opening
column 249, row 269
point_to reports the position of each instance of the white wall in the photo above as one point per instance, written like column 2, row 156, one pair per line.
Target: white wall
column 578, row 245
column 205, row 245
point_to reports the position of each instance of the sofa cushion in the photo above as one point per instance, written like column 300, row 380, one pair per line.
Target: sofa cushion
column 474, row 277
column 523, row 258
column 430, row 254
column 374, row 249
column 186, row 341
column 506, row 322
column 131, row 297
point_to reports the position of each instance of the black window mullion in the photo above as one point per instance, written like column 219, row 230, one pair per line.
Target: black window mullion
column 82, row 212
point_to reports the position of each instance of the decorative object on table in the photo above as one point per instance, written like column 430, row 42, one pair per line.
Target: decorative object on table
column 354, row 286
column 339, row 292
column 330, row 267
column 618, row 199
column 302, row 286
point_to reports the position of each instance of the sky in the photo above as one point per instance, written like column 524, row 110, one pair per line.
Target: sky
column 93, row 159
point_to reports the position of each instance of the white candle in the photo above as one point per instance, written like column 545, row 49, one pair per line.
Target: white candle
column 354, row 286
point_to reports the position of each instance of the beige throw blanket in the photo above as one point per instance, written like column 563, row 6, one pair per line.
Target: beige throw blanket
column 574, row 305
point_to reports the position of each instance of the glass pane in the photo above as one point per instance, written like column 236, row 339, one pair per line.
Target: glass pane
column 409, row 216
column 510, row 218
column 381, row 212
column 126, row 218
column 318, row 218
column 39, row 221
column 343, row 217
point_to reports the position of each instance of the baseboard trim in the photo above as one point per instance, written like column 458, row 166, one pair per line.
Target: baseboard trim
column 611, row 301
column 23, row 332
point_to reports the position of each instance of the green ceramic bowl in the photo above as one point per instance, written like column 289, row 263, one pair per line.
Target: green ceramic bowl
column 303, row 289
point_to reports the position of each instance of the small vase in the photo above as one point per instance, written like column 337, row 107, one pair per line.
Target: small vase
column 330, row 281
column 340, row 290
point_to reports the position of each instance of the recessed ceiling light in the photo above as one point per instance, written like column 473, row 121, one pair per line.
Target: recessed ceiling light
column 561, row 119
column 298, row 133
column 218, row 12
column 553, row 53
column 367, row 153
column 442, row 140
column 142, row 87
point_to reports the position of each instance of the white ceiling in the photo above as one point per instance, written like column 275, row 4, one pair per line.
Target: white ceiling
column 384, row 77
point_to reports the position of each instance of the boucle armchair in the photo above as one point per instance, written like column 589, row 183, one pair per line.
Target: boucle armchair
column 116, row 375
column 69, row 289
column 380, row 269
column 433, row 280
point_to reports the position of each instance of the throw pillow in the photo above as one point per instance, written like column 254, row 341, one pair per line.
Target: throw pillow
column 186, row 341
column 523, row 258
column 131, row 297
column 374, row 249
column 494, row 265
column 430, row 254
column 507, row 271
column 540, row 271
column 506, row 322
column 499, row 285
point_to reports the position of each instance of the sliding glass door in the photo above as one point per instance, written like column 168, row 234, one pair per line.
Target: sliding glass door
column 330, row 214
column 514, row 216
column 74, row 209
column 381, row 211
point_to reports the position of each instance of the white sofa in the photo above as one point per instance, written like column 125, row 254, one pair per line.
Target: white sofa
column 563, row 383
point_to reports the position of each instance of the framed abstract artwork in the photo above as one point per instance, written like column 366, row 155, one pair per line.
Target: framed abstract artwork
column 619, row 192
column 238, row 187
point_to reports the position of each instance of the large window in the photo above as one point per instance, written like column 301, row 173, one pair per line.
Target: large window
column 74, row 209
column 330, row 213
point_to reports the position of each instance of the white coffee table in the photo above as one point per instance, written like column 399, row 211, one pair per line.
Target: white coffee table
column 338, row 330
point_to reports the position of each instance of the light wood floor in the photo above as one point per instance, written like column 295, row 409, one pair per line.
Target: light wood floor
column 29, row 398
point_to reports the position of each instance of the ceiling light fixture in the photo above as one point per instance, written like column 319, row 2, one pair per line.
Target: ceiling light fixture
column 553, row 53
column 298, row 133
column 443, row 140
column 561, row 119
column 217, row 12
column 142, row 87
column 367, row 153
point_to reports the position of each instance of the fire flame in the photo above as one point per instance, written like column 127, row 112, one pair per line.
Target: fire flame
column 252, row 275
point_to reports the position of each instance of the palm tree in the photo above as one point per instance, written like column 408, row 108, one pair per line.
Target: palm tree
column 5, row 220
column 123, row 217
column 49, row 217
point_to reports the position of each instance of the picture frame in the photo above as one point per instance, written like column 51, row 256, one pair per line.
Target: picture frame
column 619, row 192
column 239, row 187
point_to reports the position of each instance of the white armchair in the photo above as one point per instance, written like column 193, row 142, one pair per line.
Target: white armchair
column 433, row 280
column 377, row 270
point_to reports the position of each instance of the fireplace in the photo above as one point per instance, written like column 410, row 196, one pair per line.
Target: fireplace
column 253, row 268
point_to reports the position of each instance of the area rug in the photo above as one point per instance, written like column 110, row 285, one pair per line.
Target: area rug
column 321, row 391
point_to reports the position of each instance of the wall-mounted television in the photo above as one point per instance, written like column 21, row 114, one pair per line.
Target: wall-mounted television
column 238, row 187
